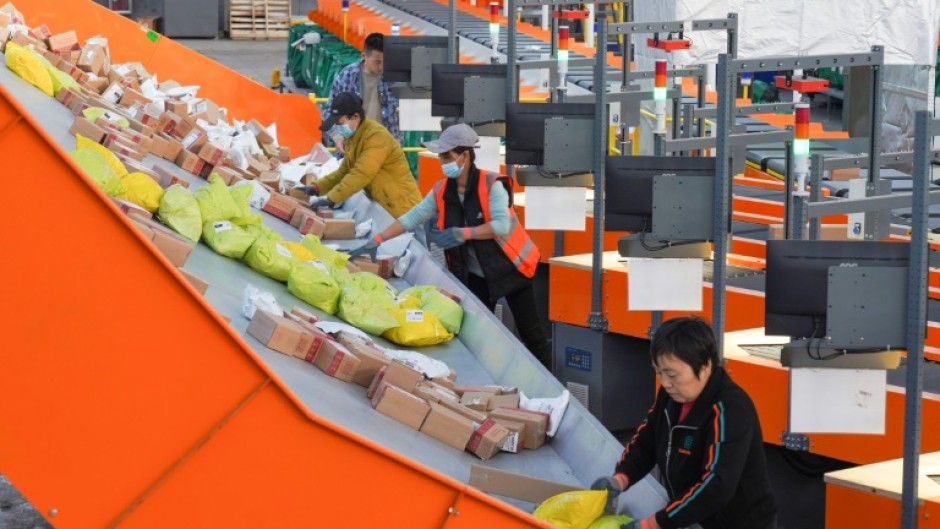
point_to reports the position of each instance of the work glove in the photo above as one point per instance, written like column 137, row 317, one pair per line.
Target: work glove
column 310, row 190
column 451, row 237
column 320, row 202
column 613, row 489
column 645, row 523
column 370, row 248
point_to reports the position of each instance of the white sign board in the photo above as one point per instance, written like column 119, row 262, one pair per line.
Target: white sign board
column 664, row 284
column 837, row 400
column 555, row 208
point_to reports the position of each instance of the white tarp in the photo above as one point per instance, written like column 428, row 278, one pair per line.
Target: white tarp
column 906, row 28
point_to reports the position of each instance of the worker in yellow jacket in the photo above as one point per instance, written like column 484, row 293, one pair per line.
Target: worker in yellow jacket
column 374, row 162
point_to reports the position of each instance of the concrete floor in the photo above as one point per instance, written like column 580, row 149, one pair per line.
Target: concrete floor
column 252, row 58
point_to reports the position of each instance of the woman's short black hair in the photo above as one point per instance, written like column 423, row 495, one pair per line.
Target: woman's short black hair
column 460, row 150
column 689, row 339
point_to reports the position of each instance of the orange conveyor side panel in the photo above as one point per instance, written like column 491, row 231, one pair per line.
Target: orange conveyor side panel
column 297, row 118
column 849, row 508
column 130, row 403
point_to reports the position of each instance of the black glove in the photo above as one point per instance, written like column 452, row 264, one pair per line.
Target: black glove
column 370, row 248
column 609, row 484
column 319, row 202
column 311, row 190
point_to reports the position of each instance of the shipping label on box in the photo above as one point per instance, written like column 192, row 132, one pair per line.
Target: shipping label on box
column 536, row 424
column 514, row 442
column 487, row 439
column 401, row 406
column 113, row 93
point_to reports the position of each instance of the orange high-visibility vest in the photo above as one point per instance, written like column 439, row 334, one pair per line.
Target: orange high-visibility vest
column 517, row 246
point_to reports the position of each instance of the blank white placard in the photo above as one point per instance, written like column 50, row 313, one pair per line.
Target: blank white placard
column 415, row 114
column 664, row 284
column 488, row 153
column 555, row 208
column 837, row 400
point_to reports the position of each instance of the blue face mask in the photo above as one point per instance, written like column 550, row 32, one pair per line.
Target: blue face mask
column 451, row 169
column 345, row 131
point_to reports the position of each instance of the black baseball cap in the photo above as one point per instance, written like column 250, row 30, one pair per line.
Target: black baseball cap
column 344, row 104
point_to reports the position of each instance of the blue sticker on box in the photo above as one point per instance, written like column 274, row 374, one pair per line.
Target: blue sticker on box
column 577, row 359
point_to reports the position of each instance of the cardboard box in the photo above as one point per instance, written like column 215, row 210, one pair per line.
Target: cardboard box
column 260, row 132
column 448, row 427
column 311, row 344
column 189, row 162
column 176, row 106
column 401, row 406
column 432, row 392
column 208, row 110
column 142, row 141
column 175, row 248
column 475, row 416
column 843, row 175
column 492, row 390
column 211, row 153
column 311, row 224
column 195, row 140
column 207, row 170
column 256, row 167
column 168, row 122
column 228, row 176
column 371, row 361
column 133, row 166
column 352, row 268
column 76, row 73
column 299, row 194
column 124, row 148
column 513, row 485
column 376, row 383
column 283, row 153
column 445, row 383
column 827, row 232
column 158, row 146
column 270, row 178
column 337, row 361
column 132, row 97
column 304, row 315
column 487, row 439
column 87, row 129
column 476, row 401
column 95, row 84
column 168, row 177
column 514, row 442
column 41, row 32
column 132, row 210
column 173, row 147
column 113, row 93
column 340, row 229
column 197, row 282
column 383, row 266
column 402, row 376
column 299, row 214
column 502, row 401
column 280, row 206
column 144, row 229
column 536, row 424
column 275, row 331
column 28, row 41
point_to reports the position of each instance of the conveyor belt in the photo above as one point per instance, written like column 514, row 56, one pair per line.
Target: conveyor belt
column 485, row 352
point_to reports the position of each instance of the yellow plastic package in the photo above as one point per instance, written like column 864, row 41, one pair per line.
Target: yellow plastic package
column 577, row 509
column 93, row 113
column 447, row 310
column 116, row 164
column 416, row 327
column 611, row 521
column 270, row 258
column 215, row 201
column 227, row 238
column 27, row 65
column 179, row 210
column 98, row 169
column 369, row 311
column 60, row 79
column 324, row 253
column 143, row 191
column 312, row 283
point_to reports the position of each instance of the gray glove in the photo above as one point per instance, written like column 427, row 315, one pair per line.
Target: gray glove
column 319, row 202
column 370, row 248
column 311, row 191
column 609, row 484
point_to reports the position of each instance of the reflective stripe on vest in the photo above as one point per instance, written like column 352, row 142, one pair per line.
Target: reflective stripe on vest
column 517, row 246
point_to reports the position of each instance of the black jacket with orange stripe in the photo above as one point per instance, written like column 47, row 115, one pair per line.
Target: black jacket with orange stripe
column 712, row 464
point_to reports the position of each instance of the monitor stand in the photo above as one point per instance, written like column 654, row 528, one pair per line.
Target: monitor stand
column 485, row 129
column 405, row 91
column 796, row 354
column 528, row 175
column 630, row 246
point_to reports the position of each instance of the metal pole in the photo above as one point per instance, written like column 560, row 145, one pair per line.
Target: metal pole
column 916, row 317
column 701, row 103
column 791, row 200
column 725, row 82
column 815, row 193
column 874, row 129
column 452, row 32
column 675, row 110
column 597, row 321
column 512, row 74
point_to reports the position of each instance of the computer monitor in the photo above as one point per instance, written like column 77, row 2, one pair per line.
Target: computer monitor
column 628, row 193
column 525, row 129
column 797, row 302
column 447, row 85
column 397, row 55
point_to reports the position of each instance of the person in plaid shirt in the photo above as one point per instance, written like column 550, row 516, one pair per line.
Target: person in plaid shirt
column 364, row 78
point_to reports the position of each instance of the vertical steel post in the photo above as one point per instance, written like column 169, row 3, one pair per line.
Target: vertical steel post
column 815, row 193
column 597, row 321
column 916, row 316
column 789, row 204
column 452, row 32
column 725, row 83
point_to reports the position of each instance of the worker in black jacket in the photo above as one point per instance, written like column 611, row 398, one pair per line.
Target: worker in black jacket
column 704, row 435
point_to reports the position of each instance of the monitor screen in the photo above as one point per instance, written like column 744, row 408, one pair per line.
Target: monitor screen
column 628, row 191
column 795, row 302
column 525, row 128
column 447, row 85
column 397, row 55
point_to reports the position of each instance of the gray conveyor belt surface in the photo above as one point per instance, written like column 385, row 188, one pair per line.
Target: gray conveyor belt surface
column 484, row 353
